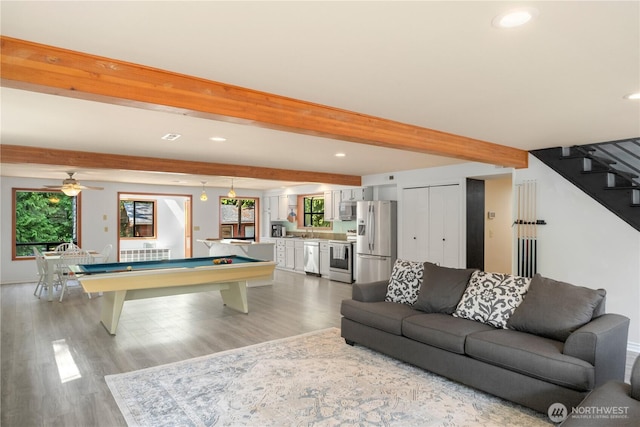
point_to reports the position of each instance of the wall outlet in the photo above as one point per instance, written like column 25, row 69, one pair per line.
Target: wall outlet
column 196, row 228
column 106, row 229
column 104, row 217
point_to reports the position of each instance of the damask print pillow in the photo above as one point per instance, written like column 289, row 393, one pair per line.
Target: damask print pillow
column 405, row 282
column 492, row 298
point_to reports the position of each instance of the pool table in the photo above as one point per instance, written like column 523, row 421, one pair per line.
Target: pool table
column 125, row 281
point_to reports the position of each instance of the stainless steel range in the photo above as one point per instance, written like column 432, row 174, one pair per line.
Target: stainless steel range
column 341, row 261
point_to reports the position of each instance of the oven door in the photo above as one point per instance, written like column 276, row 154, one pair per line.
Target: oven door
column 340, row 262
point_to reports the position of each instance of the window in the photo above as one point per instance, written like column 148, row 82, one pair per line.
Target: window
column 137, row 219
column 314, row 212
column 237, row 218
column 43, row 219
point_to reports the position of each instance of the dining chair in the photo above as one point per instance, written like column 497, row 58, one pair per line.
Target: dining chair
column 106, row 253
column 64, row 247
column 66, row 276
column 42, row 271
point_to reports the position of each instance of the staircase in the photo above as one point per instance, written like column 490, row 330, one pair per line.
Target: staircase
column 608, row 172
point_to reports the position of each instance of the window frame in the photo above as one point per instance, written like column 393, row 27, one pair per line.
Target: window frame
column 154, row 219
column 78, row 219
column 311, row 213
column 223, row 227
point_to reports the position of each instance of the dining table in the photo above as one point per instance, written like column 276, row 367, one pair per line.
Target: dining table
column 52, row 259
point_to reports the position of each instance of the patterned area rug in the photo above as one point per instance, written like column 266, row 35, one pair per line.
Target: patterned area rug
column 313, row 379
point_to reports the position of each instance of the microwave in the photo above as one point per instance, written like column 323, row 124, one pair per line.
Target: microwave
column 348, row 210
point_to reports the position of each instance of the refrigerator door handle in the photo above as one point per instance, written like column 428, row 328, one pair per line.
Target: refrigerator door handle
column 372, row 257
column 372, row 229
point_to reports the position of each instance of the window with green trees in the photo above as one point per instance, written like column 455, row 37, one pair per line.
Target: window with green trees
column 43, row 219
column 314, row 212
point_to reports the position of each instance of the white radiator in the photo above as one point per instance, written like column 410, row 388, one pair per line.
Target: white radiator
column 146, row 254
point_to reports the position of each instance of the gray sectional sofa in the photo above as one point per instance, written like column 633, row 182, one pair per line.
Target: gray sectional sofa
column 553, row 344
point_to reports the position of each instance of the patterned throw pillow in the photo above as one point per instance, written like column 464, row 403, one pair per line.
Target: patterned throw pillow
column 492, row 298
column 405, row 282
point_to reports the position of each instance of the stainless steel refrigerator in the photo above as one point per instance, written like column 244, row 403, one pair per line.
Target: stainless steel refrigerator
column 376, row 241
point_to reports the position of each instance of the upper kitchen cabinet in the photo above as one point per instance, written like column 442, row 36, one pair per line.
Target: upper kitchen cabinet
column 360, row 193
column 332, row 205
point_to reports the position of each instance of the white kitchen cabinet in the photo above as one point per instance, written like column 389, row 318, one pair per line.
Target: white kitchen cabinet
column 431, row 225
column 359, row 193
column 324, row 259
column 280, row 253
column 332, row 205
column 290, row 254
column 299, row 255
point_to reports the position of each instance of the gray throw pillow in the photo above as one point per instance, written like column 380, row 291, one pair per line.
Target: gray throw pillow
column 442, row 288
column 555, row 309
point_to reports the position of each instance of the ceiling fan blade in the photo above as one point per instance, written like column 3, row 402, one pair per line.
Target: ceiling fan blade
column 89, row 187
column 53, row 187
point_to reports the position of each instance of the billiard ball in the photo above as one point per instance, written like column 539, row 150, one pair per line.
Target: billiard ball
column 216, row 261
column 129, row 268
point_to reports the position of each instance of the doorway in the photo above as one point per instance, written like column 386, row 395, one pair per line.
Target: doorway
column 154, row 226
column 489, row 223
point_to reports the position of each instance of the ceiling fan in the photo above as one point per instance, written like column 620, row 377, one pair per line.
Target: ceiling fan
column 71, row 187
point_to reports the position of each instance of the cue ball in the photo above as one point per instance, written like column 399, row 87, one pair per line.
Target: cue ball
column 129, row 268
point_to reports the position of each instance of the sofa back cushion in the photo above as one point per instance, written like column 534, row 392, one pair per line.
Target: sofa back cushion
column 442, row 288
column 405, row 282
column 555, row 309
column 492, row 298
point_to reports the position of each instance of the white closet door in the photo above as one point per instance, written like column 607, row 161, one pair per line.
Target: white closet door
column 415, row 219
column 444, row 226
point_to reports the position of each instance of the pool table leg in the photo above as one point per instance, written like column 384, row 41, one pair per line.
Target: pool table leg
column 112, row 303
column 236, row 296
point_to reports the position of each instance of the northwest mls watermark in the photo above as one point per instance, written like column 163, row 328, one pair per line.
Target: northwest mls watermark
column 558, row 412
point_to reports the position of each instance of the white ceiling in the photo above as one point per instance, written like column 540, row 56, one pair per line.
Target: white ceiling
column 558, row 81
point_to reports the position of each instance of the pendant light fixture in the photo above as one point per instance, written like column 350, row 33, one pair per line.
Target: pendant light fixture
column 232, row 193
column 203, row 196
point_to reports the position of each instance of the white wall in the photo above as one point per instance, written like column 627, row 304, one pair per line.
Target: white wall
column 583, row 243
column 96, row 205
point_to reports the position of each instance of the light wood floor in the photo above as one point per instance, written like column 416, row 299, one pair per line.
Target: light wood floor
column 37, row 392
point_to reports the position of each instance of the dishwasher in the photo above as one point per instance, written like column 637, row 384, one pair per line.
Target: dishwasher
column 312, row 257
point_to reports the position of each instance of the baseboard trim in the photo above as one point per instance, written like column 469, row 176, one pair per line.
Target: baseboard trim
column 633, row 346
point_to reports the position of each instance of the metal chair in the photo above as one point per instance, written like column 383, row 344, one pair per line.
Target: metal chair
column 65, row 274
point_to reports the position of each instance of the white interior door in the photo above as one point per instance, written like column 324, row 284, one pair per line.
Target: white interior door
column 444, row 226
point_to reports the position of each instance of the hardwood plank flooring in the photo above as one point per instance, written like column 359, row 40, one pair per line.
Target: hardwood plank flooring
column 39, row 389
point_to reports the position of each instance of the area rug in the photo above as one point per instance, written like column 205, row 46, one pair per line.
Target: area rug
column 313, row 379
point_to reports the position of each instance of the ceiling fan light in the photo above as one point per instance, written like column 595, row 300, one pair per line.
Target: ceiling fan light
column 71, row 190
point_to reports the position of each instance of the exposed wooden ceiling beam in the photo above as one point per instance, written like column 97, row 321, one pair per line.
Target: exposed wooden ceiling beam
column 83, row 159
column 46, row 69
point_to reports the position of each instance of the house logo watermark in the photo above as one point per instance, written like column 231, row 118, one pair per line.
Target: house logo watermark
column 557, row 412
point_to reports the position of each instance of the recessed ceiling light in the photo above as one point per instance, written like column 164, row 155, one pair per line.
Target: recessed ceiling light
column 171, row 136
column 218, row 139
column 633, row 96
column 514, row 18
column 340, row 155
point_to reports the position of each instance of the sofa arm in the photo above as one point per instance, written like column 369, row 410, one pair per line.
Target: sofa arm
column 603, row 343
column 370, row 292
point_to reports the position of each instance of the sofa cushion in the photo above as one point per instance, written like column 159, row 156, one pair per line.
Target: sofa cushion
column 492, row 298
column 531, row 355
column 386, row 316
column 405, row 281
column 441, row 330
column 555, row 309
column 442, row 288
